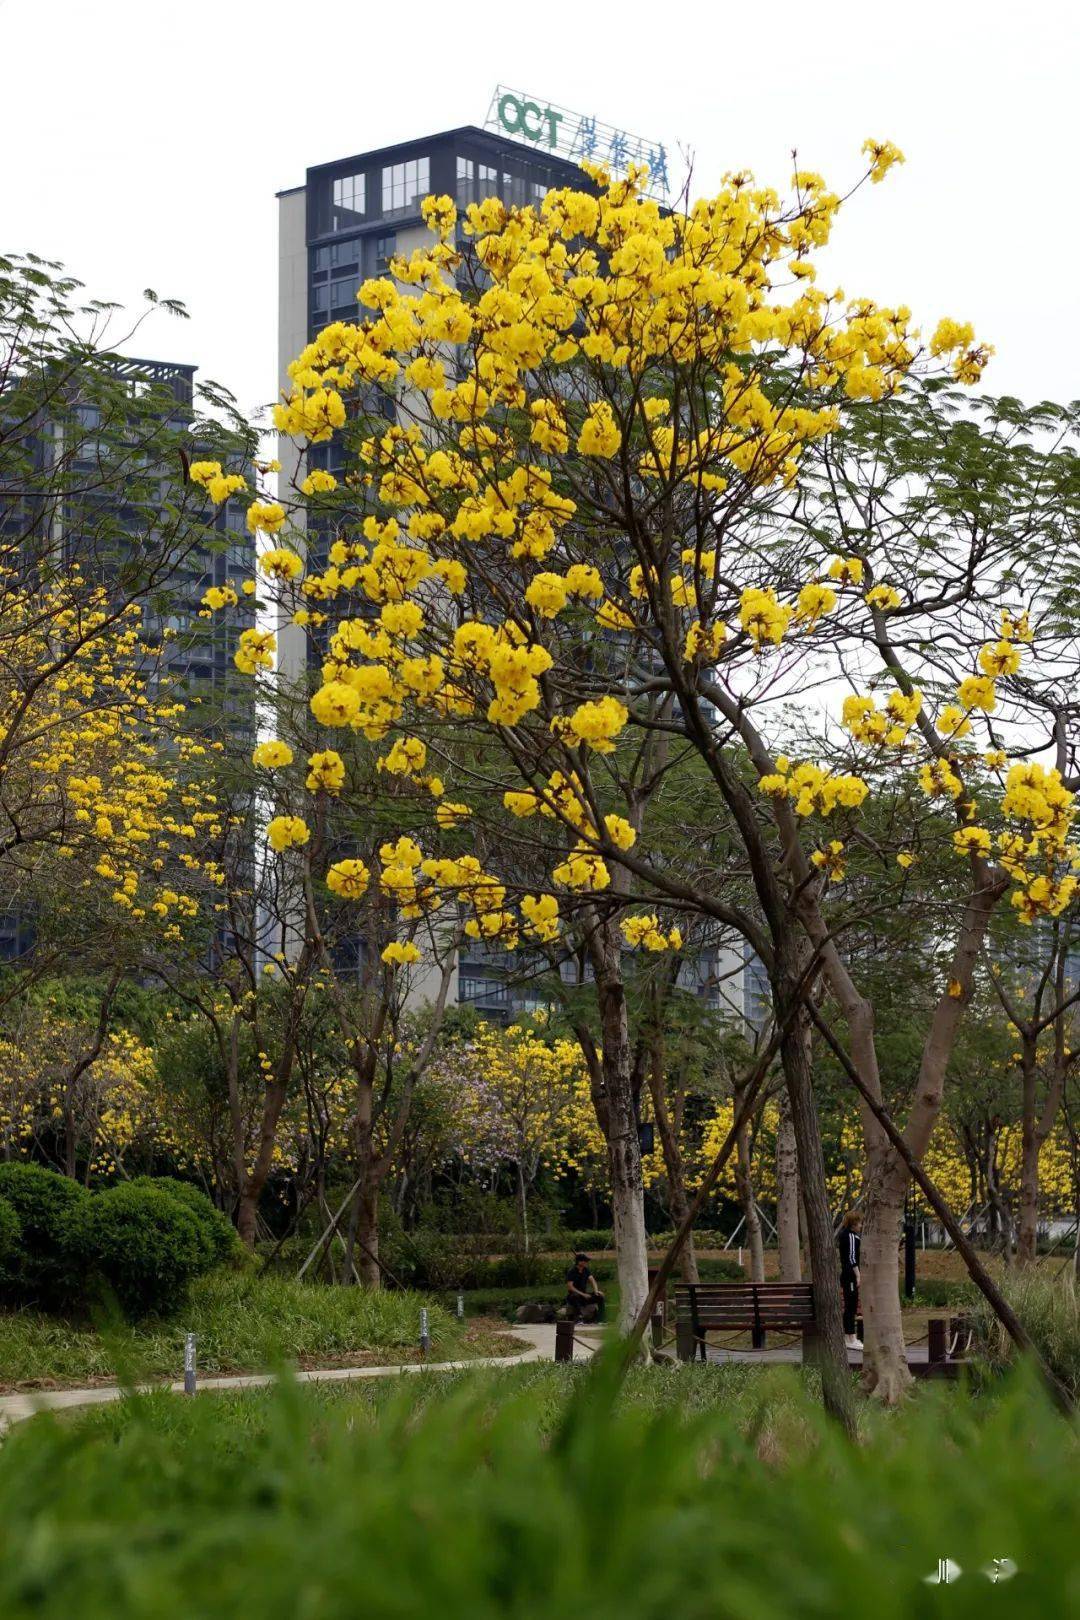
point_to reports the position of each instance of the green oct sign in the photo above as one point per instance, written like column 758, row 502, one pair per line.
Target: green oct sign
column 529, row 119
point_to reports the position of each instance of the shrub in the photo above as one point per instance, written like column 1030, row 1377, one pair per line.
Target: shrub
column 10, row 1232
column 1049, row 1309
column 945, row 1292
column 144, row 1244
column 48, row 1208
column 217, row 1233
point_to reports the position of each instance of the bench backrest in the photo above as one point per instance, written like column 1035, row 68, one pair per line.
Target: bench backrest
column 729, row 1306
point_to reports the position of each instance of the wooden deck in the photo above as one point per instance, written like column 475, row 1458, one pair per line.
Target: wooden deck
column 918, row 1359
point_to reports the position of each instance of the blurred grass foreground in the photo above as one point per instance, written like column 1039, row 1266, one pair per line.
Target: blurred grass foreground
column 484, row 1495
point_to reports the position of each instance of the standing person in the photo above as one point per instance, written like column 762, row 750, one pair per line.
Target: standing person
column 849, row 1243
column 584, row 1301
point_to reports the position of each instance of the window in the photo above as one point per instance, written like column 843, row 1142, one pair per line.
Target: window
column 475, row 181
column 403, row 184
column 348, row 200
column 493, row 991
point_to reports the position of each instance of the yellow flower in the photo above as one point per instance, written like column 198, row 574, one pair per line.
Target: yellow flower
column 883, row 597
column 349, row 879
column 335, row 704
column 620, row 832
column 599, row 434
column 271, row 755
column 407, row 757
column 547, row 593
column 953, row 721
column 267, row 516
column 883, row 155
column 999, row 658
column 326, row 773
column 971, row 841
column 397, row 954
column 977, row 692
column 287, row 832
column 452, row 815
column 846, row 570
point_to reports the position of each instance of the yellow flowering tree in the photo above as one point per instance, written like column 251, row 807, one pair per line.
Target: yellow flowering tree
column 601, row 515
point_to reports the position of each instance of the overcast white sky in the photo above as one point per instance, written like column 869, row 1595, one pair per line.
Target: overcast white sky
column 145, row 142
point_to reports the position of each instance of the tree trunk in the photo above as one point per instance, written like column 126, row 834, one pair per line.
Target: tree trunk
column 523, row 1204
column 1030, row 1144
column 363, row 1227
column 824, row 1257
column 673, row 1162
column 787, row 1195
column 624, row 1153
column 752, row 1220
column 366, row 1236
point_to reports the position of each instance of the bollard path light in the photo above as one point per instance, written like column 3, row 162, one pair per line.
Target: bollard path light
column 461, row 1307
column 189, row 1363
column 425, row 1336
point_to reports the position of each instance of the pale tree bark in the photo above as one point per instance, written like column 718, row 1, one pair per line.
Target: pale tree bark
column 787, row 1195
column 620, row 1115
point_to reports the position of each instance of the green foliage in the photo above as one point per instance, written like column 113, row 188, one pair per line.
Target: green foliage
column 144, row 1245
column 243, row 1322
column 10, row 1233
column 483, row 1506
column 49, row 1209
column 216, row 1234
column 1049, row 1309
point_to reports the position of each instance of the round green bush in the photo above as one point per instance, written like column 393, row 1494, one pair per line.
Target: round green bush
column 10, row 1232
column 144, row 1245
column 47, row 1270
column 217, row 1232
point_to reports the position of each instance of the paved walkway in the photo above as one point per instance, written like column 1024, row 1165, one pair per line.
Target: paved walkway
column 538, row 1344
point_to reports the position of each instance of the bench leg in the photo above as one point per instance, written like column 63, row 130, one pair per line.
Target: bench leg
column 757, row 1338
column 685, row 1342
column 936, row 1341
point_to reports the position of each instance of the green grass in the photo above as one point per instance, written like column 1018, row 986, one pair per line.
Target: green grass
column 707, row 1495
column 1048, row 1305
column 243, row 1322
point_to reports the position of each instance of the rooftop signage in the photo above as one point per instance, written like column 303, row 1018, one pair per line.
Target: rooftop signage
column 576, row 136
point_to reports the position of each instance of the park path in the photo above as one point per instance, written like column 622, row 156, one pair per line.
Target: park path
column 538, row 1344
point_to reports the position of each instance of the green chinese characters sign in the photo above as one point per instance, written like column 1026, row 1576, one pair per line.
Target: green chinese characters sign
column 576, row 136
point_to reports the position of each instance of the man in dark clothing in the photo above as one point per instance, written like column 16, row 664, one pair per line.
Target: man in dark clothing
column 849, row 1243
column 584, row 1301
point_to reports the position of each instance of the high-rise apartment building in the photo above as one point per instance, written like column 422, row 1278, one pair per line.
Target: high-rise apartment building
column 60, row 497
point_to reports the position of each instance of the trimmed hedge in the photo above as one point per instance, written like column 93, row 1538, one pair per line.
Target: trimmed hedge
column 49, row 1208
column 217, row 1233
column 10, row 1233
column 140, row 1243
column 143, row 1245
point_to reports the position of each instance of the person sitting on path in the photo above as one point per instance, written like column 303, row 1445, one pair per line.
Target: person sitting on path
column 849, row 1243
column 584, row 1301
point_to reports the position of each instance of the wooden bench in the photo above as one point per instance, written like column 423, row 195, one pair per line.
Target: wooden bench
column 737, row 1307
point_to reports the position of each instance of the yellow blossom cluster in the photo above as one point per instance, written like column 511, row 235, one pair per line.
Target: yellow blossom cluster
column 643, row 930
column 812, row 790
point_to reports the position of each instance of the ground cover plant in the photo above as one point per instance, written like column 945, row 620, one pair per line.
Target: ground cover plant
column 243, row 1323
column 712, row 1495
